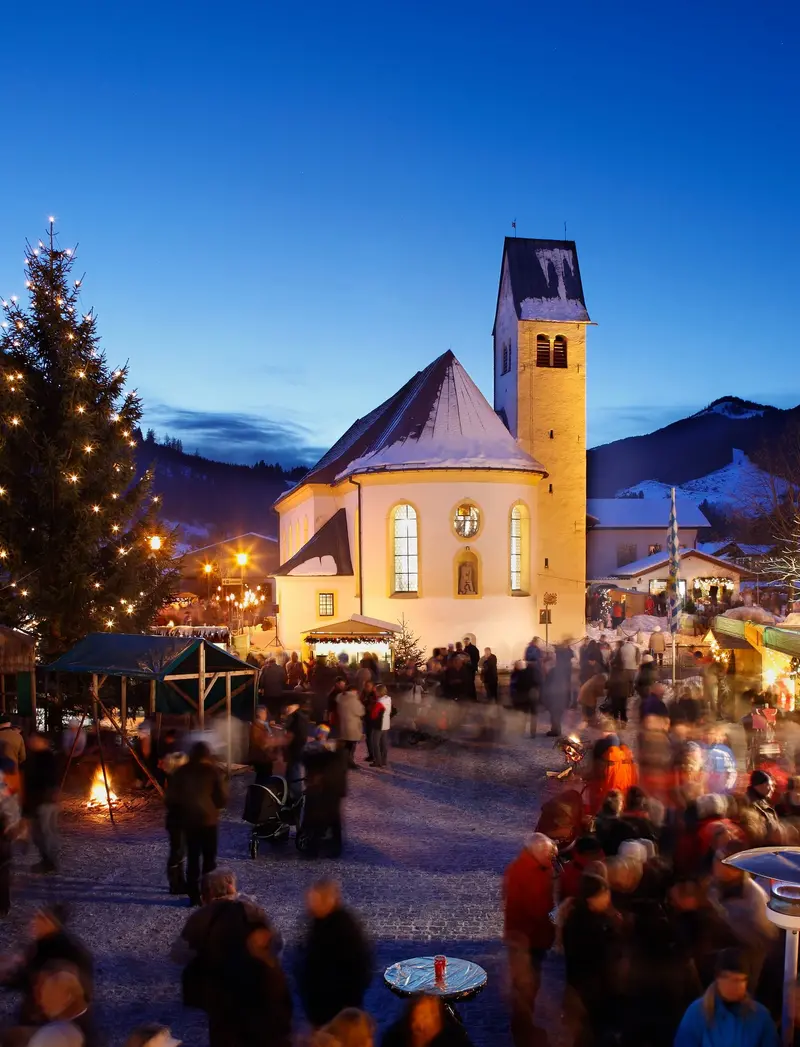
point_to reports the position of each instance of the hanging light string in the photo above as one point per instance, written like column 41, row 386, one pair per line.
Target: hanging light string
column 55, row 344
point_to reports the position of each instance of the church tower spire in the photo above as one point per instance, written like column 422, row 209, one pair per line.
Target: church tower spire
column 540, row 393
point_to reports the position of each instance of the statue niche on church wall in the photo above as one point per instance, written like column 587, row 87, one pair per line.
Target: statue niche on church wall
column 467, row 578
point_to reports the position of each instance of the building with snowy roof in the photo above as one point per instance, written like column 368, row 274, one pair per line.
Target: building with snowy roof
column 702, row 577
column 625, row 530
column 439, row 508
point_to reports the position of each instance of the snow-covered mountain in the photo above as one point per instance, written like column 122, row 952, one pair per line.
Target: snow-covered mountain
column 740, row 487
column 719, row 454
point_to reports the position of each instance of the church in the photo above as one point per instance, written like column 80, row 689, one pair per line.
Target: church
column 438, row 509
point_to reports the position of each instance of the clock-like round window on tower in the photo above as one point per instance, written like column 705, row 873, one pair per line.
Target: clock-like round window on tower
column 467, row 520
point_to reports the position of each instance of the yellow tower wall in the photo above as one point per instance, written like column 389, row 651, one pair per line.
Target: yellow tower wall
column 551, row 426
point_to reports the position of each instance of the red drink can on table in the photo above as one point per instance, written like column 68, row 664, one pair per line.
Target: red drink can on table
column 439, row 967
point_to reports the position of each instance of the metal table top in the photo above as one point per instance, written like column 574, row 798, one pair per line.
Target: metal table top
column 462, row 980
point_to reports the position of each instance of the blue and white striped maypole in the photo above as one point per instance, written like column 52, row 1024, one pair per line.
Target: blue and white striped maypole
column 673, row 547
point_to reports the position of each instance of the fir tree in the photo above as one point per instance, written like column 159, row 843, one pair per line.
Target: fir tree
column 81, row 546
column 407, row 652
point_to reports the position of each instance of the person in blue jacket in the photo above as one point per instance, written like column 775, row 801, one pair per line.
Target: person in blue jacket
column 727, row 1015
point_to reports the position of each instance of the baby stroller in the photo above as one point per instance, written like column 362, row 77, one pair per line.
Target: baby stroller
column 271, row 808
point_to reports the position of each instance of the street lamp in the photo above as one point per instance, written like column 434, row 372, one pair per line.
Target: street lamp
column 207, row 569
column 241, row 559
column 780, row 865
column 155, row 543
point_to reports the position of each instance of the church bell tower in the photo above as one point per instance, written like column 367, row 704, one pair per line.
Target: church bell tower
column 540, row 393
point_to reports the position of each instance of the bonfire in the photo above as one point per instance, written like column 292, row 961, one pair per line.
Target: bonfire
column 97, row 792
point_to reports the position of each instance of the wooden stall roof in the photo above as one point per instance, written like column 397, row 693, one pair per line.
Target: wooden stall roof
column 17, row 651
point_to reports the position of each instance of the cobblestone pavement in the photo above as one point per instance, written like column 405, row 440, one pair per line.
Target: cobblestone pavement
column 426, row 844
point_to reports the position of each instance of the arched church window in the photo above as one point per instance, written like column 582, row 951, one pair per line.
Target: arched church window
column 559, row 351
column 542, row 351
column 516, row 549
column 405, row 549
column 466, row 520
column 519, row 546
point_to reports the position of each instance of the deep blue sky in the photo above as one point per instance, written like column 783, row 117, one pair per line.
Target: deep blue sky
column 284, row 210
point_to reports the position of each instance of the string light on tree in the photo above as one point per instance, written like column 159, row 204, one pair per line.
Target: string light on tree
column 57, row 376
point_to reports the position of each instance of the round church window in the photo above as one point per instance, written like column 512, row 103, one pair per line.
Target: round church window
column 467, row 521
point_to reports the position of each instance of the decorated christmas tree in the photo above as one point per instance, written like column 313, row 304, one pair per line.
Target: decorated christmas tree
column 81, row 545
column 407, row 652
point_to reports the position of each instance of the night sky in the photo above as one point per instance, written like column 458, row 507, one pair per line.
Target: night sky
column 285, row 210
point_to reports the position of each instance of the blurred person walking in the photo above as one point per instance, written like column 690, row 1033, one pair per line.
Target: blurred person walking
column 40, row 801
column 558, row 688
column 335, row 965
column 349, row 723
column 12, row 754
column 426, row 1023
column 51, row 945
column 489, row 674
column 214, row 947
column 528, row 900
column 197, row 793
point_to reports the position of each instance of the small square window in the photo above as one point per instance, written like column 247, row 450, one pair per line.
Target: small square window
column 326, row 605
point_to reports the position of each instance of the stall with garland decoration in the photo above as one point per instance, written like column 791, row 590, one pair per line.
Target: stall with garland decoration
column 355, row 638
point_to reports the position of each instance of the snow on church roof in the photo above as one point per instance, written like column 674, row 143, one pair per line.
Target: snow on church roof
column 545, row 279
column 438, row 420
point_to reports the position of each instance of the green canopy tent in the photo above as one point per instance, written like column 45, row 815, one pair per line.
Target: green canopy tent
column 180, row 669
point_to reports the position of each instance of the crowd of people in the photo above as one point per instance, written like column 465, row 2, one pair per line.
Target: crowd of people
column 229, row 963
column 626, row 881
column 628, row 878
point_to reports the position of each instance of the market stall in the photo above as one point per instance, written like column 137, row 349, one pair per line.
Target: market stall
column 355, row 638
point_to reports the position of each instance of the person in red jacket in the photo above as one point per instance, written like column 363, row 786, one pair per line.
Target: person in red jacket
column 587, row 849
column 528, row 900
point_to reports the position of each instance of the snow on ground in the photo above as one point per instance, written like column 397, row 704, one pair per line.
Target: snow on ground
column 751, row 614
column 741, row 486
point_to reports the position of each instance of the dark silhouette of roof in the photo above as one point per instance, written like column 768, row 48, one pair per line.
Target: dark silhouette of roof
column 438, row 420
column 331, row 540
column 144, row 656
column 545, row 279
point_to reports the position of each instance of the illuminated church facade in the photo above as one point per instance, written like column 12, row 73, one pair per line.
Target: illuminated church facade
column 462, row 517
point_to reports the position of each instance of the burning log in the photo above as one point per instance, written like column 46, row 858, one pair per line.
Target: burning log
column 97, row 792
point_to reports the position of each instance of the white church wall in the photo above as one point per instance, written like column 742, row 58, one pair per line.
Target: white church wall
column 437, row 613
column 298, row 605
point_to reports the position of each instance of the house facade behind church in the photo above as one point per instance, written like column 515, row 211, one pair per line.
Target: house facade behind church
column 440, row 509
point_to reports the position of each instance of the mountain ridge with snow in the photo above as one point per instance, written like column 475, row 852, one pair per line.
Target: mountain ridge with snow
column 693, row 451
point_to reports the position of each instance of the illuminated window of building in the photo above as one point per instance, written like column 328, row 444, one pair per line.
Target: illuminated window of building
column 467, row 520
column 653, row 549
column 405, row 549
column 516, row 549
column 519, row 547
column 542, row 351
column 326, row 605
